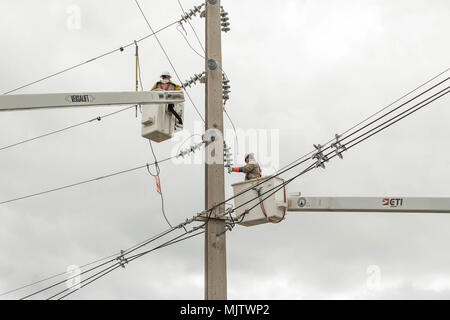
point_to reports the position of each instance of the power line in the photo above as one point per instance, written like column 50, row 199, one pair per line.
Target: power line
column 66, row 272
column 157, row 176
column 401, row 116
column 312, row 166
column 419, row 105
column 168, row 59
column 202, row 56
column 124, row 254
column 304, row 158
column 408, row 112
column 158, row 170
column 187, row 41
column 99, row 118
column 192, row 27
column 84, row 182
column 108, row 270
column 92, row 59
column 128, row 251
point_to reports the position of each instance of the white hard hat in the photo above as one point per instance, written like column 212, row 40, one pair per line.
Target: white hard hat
column 166, row 73
column 250, row 156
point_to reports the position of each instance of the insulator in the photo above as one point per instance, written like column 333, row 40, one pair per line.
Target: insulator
column 193, row 80
column 191, row 13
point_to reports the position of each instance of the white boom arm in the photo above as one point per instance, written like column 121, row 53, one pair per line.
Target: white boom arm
column 296, row 202
column 69, row 100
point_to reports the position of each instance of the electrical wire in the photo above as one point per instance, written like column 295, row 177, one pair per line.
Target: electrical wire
column 128, row 251
column 234, row 128
column 117, row 265
column 401, row 116
column 202, row 56
column 160, row 191
column 305, row 157
column 92, row 59
column 192, row 27
column 84, row 182
column 99, row 118
column 158, row 170
column 187, row 41
column 408, row 112
column 168, row 59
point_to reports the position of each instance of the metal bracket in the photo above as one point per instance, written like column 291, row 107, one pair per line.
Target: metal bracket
column 321, row 158
column 338, row 146
column 212, row 64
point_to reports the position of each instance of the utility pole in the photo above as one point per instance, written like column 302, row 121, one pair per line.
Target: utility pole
column 215, row 246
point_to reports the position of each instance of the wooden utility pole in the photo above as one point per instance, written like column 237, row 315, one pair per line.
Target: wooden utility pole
column 215, row 246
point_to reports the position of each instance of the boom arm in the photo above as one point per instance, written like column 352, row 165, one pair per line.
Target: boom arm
column 69, row 100
column 296, row 202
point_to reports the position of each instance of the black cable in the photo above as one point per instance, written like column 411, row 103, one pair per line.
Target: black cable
column 234, row 128
column 393, row 110
column 433, row 97
column 158, row 170
column 168, row 59
column 313, row 166
column 128, row 251
column 64, row 129
column 187, row 41
column 93, row 59
column 192, row 27
column 158, row 177
column 108, row 270
column 83, row 182
column 371, row 116
column 53, row 277
column 200, row 55
column 299, row 161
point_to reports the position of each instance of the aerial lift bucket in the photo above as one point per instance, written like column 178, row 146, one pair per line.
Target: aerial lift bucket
column 272, row 209
column 158, row 123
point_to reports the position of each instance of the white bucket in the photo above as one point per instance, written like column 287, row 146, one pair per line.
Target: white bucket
column 273, row 209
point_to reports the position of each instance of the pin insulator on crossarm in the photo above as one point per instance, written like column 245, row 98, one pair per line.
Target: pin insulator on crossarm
column 122, row 260
column 339, row 147
column 321, row 158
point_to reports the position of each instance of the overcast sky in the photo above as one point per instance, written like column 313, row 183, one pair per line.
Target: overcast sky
column 303, row 70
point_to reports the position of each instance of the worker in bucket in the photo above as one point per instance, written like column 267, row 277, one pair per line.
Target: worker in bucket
column 166, row 84
column 252, row 169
